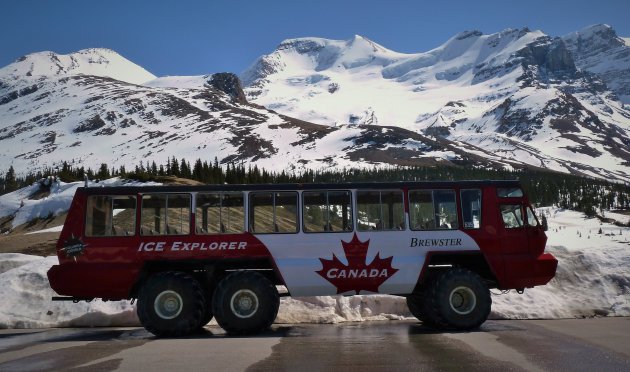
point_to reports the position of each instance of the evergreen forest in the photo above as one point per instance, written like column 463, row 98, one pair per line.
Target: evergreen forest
column 589, row 195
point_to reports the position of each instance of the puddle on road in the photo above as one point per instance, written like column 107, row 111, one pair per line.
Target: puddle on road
column 50, row 350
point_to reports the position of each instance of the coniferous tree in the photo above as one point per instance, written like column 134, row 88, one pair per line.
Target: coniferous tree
column 10, row 181
column 175, row 167
column 103, row 172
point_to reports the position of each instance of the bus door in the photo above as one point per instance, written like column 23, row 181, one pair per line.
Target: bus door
column 535, row 232
column 515, row 241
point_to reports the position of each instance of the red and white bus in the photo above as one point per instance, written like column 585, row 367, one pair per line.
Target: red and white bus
column 188, row 253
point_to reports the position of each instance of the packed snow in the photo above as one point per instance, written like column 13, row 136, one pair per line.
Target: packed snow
column 592, row 280
column 182, row 82
column 51, row 229
column 24, row 207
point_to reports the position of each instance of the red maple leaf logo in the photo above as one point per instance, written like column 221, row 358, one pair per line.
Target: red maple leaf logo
column 357, row 276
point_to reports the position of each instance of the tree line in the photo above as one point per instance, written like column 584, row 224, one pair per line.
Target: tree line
column 544, row 188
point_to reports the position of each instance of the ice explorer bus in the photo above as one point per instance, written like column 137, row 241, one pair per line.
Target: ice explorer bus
column 190, row 253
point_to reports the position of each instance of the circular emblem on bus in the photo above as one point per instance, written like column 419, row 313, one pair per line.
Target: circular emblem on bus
column 73, row 247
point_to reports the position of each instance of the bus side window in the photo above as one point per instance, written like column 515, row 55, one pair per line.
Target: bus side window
column 286, row 212
column 512, row 216
column 111, row 216
column 340, row 210
column 315, row 212
column 165, row 214
column 421, row 210
column 509, row 192
column 124, row 215
column 273, row 212
column 218, row 213
column 445, row 209
column 471, row 208
column 531, row 218
column 233, row 213
column 380, row 210
column 327, row 211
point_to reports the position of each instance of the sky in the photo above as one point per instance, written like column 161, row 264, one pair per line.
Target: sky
column 200, row 37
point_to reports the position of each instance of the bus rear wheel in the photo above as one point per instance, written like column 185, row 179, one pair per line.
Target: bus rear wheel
column 457, row 299
column 171, row 304
column 245, row 302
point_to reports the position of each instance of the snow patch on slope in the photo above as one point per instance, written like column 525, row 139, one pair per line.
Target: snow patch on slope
column 24, row 208
column 182, row 82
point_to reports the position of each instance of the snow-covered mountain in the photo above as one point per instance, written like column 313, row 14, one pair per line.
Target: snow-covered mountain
column 96, row 61
column 55, row 109
column 517, row 98
column 517, row 94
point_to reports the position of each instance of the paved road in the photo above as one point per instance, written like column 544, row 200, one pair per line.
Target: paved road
column 543, row 345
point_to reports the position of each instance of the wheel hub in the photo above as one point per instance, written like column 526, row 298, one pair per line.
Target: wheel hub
column 168, row 304
column 463, row 300
column 244, row 303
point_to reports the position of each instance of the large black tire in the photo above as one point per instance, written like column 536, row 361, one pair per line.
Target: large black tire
column 419, row 305
column 207, row 315
column 171, row 304
column 245, row 302
column 416, row 306
column 457, row 299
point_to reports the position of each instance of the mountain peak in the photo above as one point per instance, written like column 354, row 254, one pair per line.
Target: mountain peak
column 92, row 61
column 602, row 35
column 597, row 28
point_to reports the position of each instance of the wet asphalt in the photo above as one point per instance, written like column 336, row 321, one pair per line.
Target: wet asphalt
column 599, row 344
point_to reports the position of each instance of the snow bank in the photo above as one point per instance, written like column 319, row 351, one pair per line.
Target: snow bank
column 592, row 280
column 27, row 301
column 24, row 209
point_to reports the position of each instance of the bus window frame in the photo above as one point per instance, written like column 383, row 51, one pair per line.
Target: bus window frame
column 135, row 231
column 380, row 198
column 529, row 208
column 191, row 215
column 458, row 210
column 243, row 194
column 461, row 202
column 327, row 191
column 249, row 210
column 523, row 216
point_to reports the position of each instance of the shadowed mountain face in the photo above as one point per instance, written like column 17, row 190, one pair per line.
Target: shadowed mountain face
column 517, row 98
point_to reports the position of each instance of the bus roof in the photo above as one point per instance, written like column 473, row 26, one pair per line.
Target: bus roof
column 300, row 186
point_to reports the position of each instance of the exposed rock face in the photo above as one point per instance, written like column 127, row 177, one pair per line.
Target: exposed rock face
column 550, row 54
column 229, row 84
column 597, row 49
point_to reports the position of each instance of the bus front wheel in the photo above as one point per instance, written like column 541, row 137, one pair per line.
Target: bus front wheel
column 245, row 302
column 171, row 304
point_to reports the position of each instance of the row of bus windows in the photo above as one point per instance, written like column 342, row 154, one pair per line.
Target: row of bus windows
column 277, row 212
